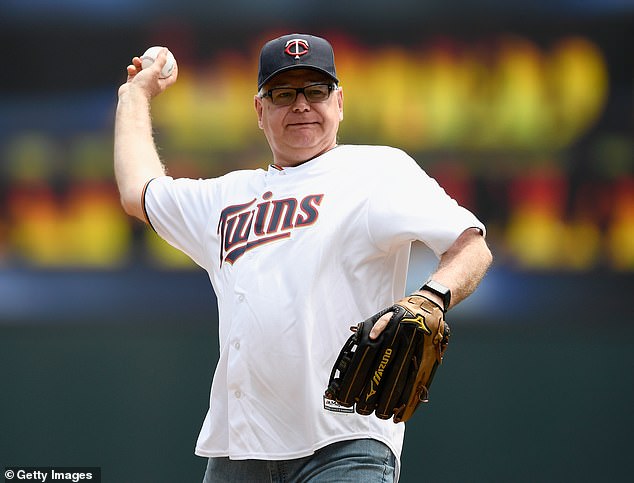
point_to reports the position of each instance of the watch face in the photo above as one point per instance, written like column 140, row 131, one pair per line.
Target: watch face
column 439, row 289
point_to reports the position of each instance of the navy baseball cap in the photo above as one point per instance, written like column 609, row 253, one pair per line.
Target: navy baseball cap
column 295, row 51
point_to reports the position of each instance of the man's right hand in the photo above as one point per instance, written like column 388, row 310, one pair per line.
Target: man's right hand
column 149, row 80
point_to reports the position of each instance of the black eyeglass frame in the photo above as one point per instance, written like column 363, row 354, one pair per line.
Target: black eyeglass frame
column 269, row 93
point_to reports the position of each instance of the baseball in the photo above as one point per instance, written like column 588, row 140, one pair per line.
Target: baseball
column 149, row 56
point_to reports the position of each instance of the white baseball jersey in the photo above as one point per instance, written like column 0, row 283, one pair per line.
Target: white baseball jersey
column 296, row 256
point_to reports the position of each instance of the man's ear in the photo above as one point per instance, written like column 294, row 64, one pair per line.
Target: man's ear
column 340, row 102
column 257, row 103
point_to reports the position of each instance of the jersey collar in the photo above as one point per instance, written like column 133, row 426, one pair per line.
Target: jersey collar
column 276, row 170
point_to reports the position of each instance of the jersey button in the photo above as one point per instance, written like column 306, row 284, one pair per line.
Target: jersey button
column 237, row 394
column 236, row 345
column 240, row 298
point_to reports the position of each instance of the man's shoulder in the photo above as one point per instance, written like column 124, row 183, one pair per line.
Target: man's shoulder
column 231, row 181
column 238, row 174
column 375, row 156
column 372, row 150
column 241, row 174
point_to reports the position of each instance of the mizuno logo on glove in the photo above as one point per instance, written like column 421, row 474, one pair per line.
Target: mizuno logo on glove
column 378, row 374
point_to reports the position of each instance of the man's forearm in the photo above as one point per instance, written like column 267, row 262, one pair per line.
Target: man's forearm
column 135, row 158
column 463, row 266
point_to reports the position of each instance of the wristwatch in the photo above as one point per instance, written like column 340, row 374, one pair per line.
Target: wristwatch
column 439, row 289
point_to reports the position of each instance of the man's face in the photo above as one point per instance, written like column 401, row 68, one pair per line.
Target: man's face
column 303, row 129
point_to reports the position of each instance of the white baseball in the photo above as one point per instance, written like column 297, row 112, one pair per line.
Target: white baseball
column 149, row 56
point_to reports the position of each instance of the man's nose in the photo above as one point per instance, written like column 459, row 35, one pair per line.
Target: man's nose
column 301, row 103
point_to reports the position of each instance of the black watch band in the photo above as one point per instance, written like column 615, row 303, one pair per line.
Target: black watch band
column 439, row 289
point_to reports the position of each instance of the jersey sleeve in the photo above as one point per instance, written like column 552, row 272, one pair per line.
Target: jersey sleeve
column 179, row 211
column 408, row 205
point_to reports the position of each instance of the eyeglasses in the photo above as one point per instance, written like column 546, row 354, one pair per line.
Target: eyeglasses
column 285, row 96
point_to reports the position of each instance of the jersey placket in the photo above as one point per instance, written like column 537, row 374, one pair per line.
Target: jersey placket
column 238, row 373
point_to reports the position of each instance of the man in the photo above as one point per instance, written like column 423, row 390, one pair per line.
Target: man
column 295, row 254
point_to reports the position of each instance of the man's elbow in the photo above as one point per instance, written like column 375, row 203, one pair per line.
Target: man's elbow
column 487, row 254
column 484, row 252
column 132, row 205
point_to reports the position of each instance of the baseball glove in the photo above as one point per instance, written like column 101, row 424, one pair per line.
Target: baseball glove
column 391, row 374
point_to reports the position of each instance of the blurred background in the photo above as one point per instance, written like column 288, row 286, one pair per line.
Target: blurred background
column 524, row 112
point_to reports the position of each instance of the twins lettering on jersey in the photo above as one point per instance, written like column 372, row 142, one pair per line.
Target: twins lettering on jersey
column 246, row 226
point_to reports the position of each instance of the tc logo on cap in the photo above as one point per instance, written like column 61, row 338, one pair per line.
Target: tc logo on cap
column 296, row 47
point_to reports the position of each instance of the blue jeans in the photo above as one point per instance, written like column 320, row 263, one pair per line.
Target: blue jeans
column 353, row 461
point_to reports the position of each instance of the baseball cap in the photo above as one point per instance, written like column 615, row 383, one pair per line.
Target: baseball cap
column 295, row 51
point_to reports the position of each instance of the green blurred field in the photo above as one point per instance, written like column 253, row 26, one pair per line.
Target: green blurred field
column 545, row 403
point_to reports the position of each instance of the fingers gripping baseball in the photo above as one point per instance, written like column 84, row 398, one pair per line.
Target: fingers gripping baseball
column 152, row 79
